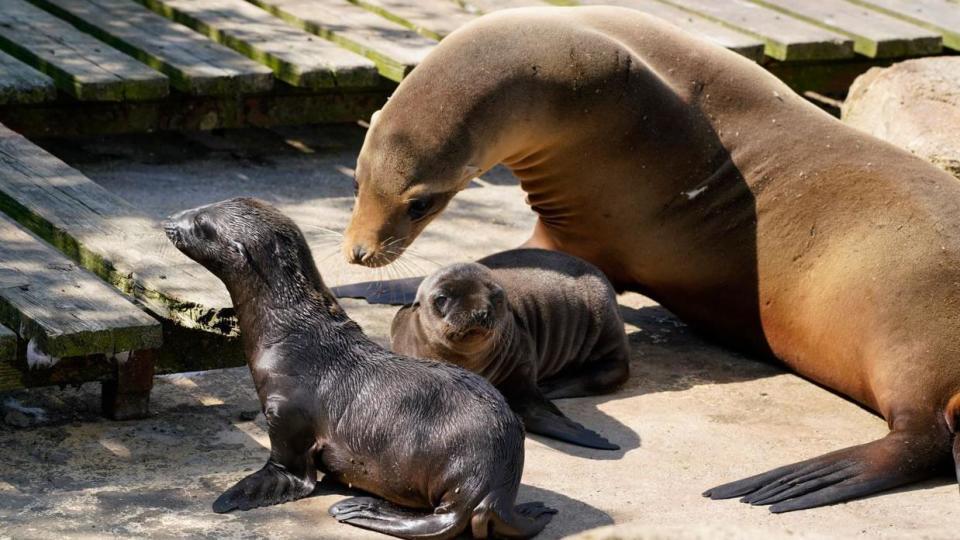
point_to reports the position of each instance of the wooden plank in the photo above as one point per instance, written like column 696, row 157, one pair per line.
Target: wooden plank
column 195, row 64
column 20, row 83
column 747, row 45
column 434, row 19
column 79, row 64
column 395, row 49
column 295, row 56
column 489, row 6
column 284, row 106
column 874, row 34
column 105, row 234
column 8, row 345
column 17, row 374
column 60, row 309
column 938, row 15
column 786, row 38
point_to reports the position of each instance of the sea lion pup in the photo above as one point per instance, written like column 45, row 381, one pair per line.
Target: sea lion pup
column 688, row 173
column 439, row 444
column 537, row 324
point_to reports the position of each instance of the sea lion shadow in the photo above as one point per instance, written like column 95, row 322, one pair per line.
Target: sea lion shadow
column 586, row 412
column 573, row 515
column 667, row 355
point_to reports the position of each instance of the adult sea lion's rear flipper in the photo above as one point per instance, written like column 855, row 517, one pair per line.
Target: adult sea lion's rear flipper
column 897, row 459
column 544, row 418
column 383, row 517
column 272, row 484
column 396, row 292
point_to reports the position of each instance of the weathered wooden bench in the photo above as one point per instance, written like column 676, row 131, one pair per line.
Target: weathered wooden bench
column 103, row 233
column 68, row 326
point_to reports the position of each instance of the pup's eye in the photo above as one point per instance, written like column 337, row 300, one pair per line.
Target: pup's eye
column 439, row 302
column 419, row 208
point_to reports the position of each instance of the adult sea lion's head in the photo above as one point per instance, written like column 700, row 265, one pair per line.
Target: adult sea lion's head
column 461, row 306
column 405, row 176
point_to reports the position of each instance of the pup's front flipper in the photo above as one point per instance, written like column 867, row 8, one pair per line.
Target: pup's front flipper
column 273, row 484
column 386, row 518
column 899, row 458
column 544, row 418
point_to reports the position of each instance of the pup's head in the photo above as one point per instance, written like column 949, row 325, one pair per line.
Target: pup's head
column 246, row 243
column 461, row 306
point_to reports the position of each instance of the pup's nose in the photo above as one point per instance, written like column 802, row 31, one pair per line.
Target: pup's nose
column 359, row 253
column 481, row 317
column 175, row 223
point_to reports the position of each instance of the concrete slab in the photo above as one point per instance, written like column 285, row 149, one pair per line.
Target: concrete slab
column 691, row 416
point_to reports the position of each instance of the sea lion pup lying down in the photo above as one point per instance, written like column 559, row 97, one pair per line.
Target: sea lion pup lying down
column 686, row 172
column 537, row 324
column 437, row 443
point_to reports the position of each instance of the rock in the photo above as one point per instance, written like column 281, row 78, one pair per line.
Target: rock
column 17, row 415
column 914, row 105
column 247, row 416
column 18, row 419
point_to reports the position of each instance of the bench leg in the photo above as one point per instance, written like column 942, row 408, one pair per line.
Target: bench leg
column 127, row 396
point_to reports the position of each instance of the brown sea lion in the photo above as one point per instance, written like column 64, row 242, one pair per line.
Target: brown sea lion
column 692, row 175
column 537, row 324
column 437, row 444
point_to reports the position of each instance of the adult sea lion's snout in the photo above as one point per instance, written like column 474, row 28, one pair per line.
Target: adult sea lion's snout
column 375, row 236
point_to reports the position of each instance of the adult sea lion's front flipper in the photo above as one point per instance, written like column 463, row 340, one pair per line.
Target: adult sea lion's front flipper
column 395, row 292
column 899, row 458
column 542, row 417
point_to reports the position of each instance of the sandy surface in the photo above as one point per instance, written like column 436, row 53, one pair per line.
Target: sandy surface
column 691, row 416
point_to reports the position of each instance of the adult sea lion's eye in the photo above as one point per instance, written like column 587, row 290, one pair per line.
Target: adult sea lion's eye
column 419, row 208
column 356, row 188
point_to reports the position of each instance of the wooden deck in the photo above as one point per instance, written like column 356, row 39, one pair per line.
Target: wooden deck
column 168, row 64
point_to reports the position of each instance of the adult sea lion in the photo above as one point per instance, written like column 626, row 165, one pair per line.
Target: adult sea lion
column 437, row 443
column 537, row 324
column 690, row 174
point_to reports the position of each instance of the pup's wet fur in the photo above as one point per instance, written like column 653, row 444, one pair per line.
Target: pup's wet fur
column 437, row 445
column 537, row 324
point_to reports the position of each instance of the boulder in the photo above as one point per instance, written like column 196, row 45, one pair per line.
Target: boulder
column 914, row 104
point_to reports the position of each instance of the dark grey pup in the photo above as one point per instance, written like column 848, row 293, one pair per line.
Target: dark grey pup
column 538, row 324
column 437, row 445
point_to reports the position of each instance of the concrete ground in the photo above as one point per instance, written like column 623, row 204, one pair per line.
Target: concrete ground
column 692, row 415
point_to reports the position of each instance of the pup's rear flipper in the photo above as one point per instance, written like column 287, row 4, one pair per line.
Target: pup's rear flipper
column 544, row 418
column 523, row 521
column 383, row 517
column 396, row 292
column 270, row 485
column 899, row 458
